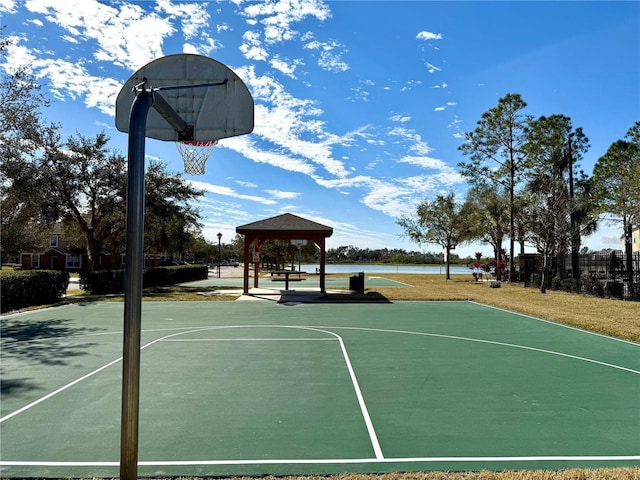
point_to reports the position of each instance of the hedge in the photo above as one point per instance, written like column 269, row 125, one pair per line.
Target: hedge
column 32, row 287
column 112, row 281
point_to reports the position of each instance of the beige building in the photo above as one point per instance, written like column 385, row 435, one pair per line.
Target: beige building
column 635, row 239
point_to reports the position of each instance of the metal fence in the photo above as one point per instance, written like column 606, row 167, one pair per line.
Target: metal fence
column 604, row 274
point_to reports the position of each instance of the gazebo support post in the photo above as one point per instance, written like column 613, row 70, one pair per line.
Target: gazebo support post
column 247, row 259
column 256, row 265
column 323, row 260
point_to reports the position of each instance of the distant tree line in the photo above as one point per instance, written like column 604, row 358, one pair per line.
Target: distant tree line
column 351, row 254
column 527, row 187
column 279, row 253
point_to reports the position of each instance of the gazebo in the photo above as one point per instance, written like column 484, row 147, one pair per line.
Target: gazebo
column 282, row 227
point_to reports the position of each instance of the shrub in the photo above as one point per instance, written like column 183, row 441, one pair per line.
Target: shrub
column 99, row 282
column 570, row 285
column 155, row 277
column 112, row 281
column 592, row 286
column 33, row 287
column 615, row 289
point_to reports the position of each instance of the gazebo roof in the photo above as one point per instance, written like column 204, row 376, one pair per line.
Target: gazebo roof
column 287, row 224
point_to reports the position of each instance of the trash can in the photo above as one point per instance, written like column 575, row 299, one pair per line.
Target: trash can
column 356, row 282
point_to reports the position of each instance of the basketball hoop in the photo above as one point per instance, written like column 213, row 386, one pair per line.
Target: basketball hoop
column 195, row 155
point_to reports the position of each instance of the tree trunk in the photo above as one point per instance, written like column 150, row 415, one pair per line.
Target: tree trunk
column 447, row 269
column 92, row 252
column 543, row 274
column 628, row 250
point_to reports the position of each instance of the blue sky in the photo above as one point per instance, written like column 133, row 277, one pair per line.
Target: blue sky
column 360, row 105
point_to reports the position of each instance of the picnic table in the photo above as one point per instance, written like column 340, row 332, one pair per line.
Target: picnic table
column 277, row 276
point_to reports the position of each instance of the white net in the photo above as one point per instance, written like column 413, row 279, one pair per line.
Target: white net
column 195, row 155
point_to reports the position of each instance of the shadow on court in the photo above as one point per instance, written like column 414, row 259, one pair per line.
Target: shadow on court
column 24, row 339
column 42, row 342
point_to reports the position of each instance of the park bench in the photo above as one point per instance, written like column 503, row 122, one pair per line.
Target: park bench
column 286, row 277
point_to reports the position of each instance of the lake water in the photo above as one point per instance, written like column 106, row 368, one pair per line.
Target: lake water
column 386, row 268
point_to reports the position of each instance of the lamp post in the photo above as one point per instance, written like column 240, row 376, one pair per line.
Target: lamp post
column 219, row 237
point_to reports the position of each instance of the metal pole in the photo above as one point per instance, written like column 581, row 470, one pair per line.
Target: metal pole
column 219, row 266
column 133, row 288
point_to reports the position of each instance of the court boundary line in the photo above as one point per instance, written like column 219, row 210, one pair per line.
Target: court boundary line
column 249, row 340
column 570, row 327
column 392, row 280
column 493, row 342
column 336, row 461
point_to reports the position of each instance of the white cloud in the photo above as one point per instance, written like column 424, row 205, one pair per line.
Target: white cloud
column 194, row 17
column 17, row 56
column 410, row 85
column 252, row 46
column 229, row 192
column 331, row 53
column 290, row 124
column 70, row 39
column 286, row 67
column 406, row 135
column 65, row 79
column 332, row 62
column 400, row 118
column 393, row 198
column 242, row 183
column 279, row 16
column 282, row 195
column 126, row 36
column 71, row 80
column 276, row 18
column 428, row 36
column 444, row 107
column 432, row 68
column 361, row 91
column 7, row 6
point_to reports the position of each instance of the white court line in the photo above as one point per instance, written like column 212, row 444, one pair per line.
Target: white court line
column 249, row 340
column 336, row 461
column 491, row 342
column 395, row 281
column 570, row 327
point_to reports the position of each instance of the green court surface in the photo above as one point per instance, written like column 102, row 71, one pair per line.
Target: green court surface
column 255, row 388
